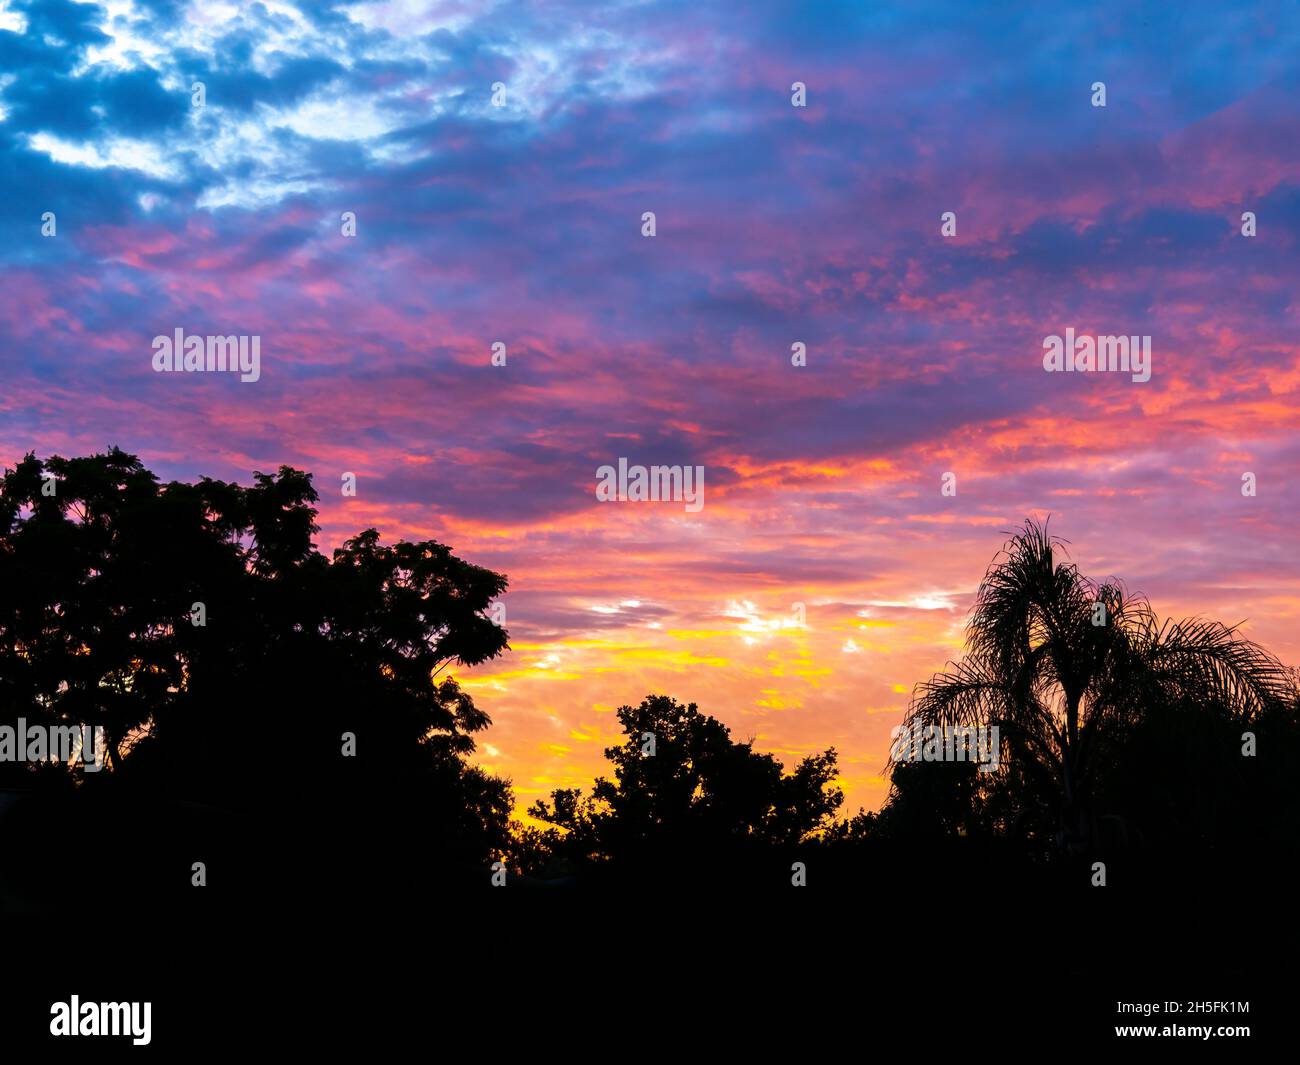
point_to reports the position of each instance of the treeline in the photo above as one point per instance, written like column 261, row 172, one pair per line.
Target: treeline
column 279, row 725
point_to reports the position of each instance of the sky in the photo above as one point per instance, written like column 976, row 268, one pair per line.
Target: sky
column 498, row 160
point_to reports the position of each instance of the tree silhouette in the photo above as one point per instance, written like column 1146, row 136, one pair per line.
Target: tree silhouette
column 1079, row 675
column 699, row 799
column 286, row 719
column 244, row 715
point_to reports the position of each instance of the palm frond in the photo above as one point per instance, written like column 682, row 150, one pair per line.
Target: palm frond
column 1209, row 661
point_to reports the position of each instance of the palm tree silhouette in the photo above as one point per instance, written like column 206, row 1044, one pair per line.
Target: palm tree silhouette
column 1064, row 665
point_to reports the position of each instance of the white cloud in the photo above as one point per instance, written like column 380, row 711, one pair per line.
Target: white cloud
column 128, row 49
column 13, row 21
column 344, row 118
column 120, row 152
column 926, row 601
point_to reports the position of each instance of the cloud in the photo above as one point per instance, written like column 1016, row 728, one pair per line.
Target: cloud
column 522, row 225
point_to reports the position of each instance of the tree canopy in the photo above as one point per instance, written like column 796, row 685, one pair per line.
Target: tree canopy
column 684, row 790
column 1119, row 727
column 227, row 659
column 290, row 719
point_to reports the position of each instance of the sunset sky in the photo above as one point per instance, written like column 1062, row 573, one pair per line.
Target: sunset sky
column 522, row 224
